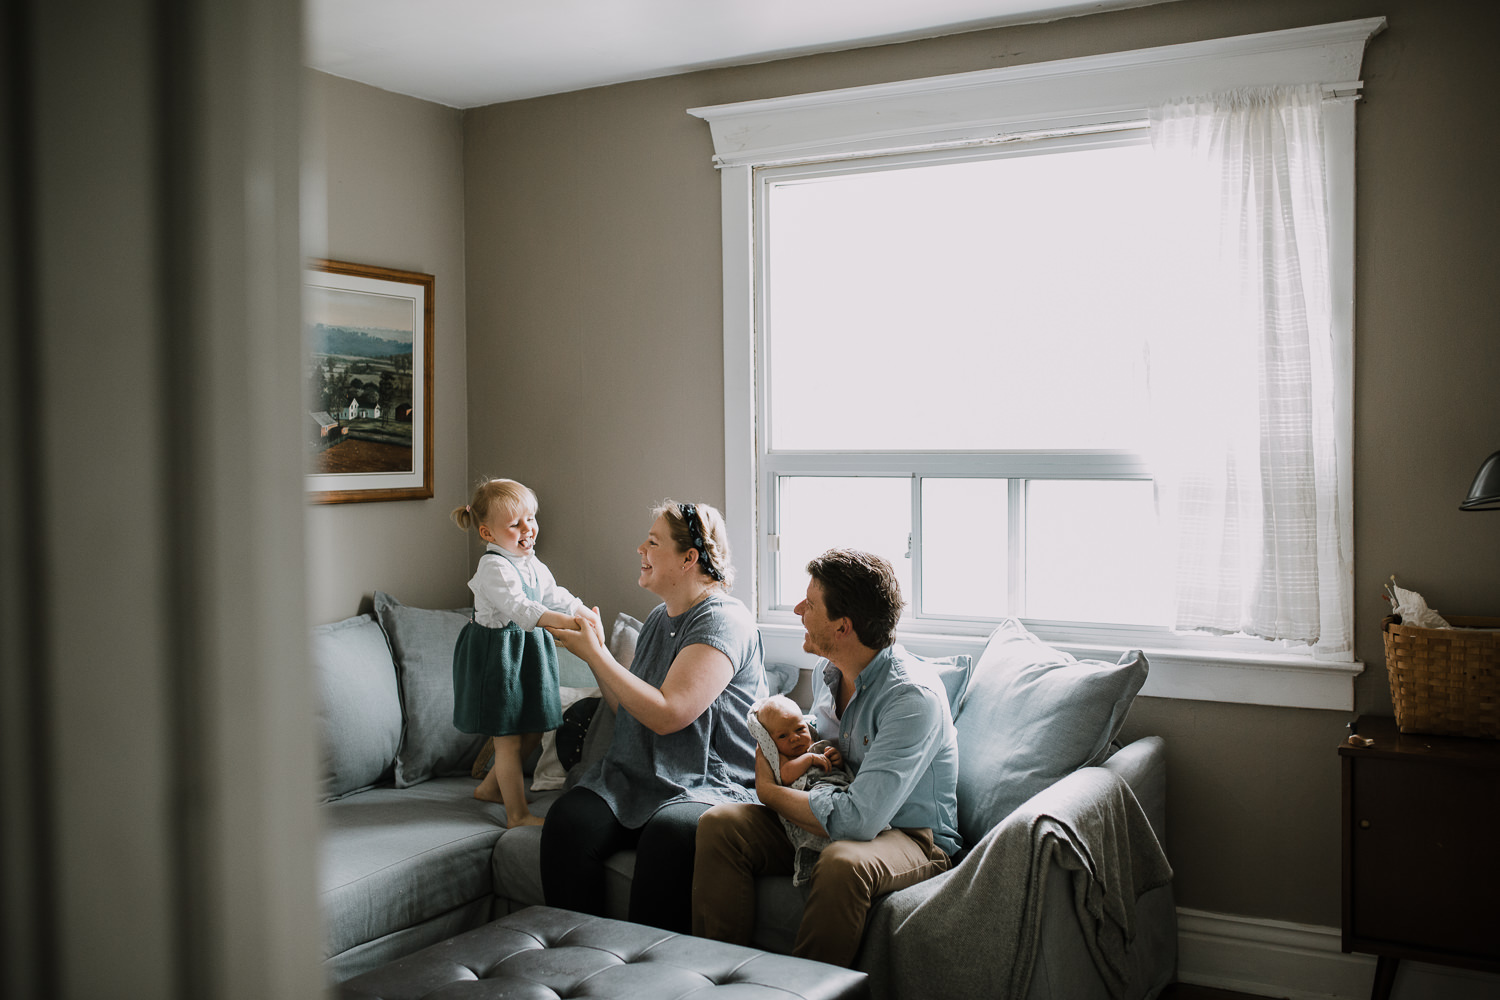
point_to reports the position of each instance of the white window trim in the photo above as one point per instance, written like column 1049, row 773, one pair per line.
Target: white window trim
column 1016, row 104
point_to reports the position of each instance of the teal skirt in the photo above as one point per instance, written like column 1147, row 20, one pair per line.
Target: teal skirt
column 505, row 681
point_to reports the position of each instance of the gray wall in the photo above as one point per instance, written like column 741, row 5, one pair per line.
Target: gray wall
column 385, row 187
column 594, row 361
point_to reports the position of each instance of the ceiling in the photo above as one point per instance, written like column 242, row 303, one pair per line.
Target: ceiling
column 468, row 53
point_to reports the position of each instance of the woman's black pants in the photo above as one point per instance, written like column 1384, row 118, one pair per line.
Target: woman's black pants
column 582, row 832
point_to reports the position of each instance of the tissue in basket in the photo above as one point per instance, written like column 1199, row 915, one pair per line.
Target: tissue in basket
column 1445, row 681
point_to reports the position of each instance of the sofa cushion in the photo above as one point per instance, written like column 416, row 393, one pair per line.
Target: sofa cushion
column 1034, row 714
column 423, row 642
column 359, row 708
column 572, row 671
column 550, row 772
column 393, row 858
column 954, row 672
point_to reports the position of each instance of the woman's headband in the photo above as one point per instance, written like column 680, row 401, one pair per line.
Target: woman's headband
column 695, row 529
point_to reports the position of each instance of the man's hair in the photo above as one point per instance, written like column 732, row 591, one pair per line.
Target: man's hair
column 863, row 588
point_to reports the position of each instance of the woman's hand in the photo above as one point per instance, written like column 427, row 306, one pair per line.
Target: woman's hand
column 583, row 637
column 591, row 615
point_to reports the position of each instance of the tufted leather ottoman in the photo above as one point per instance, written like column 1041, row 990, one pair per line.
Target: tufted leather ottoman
column 541, row 953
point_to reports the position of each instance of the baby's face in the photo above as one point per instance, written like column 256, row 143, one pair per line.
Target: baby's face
column 788, row 729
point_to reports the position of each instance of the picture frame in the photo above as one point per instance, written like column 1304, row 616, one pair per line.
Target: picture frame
column 368, row 373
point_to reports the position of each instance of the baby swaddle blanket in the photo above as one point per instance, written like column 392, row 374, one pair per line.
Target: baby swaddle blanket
column 805, row 844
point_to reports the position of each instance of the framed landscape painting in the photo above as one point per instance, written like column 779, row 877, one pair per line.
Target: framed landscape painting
column 367, row 336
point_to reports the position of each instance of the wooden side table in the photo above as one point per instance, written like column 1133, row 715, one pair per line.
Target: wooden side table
column 1421, row 849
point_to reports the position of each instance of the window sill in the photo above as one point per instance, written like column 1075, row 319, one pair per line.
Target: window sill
column 1279, row 680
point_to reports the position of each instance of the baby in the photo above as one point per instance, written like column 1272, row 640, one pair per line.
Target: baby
column 786, row 741
column 795, row 749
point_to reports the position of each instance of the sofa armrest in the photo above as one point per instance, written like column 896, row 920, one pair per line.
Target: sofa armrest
column 979, row 898
column 1063, row 969
column 1143, row 766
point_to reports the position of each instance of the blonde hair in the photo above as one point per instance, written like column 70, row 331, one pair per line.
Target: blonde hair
column 505, row 495
column 715, row 550
column 780, row 702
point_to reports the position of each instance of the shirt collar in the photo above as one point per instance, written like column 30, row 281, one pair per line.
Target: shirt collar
column 874, row 671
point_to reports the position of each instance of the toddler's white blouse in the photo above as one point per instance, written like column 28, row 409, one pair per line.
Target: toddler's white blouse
column 500, row 597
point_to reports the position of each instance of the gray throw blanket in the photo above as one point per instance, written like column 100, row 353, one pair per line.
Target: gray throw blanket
column 1092, row 824
column 806, row 845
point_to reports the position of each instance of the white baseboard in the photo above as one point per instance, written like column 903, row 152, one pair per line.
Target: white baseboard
column 1274, row 958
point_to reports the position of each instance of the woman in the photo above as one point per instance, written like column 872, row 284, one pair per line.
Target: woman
column 681, row 742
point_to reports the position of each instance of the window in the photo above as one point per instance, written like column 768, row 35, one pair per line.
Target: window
column 988, row 311
column 919, row 240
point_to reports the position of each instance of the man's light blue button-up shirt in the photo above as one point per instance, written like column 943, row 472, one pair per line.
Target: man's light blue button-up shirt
column 897, row 737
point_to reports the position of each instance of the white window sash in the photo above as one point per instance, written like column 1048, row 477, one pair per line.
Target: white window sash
column 1062, row 97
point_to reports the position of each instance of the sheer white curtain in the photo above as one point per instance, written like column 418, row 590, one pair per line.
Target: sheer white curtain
column 1242, row 371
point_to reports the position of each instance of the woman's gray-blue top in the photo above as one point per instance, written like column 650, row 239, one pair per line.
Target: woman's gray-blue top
column 712, row 759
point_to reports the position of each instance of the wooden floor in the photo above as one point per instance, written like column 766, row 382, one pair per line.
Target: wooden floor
column 1182, row 991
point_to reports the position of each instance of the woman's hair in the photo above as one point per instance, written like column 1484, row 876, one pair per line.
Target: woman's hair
column 863, row 588
column 504, row 495
column 699, row 526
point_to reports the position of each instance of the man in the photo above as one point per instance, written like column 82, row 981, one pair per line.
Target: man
column 894, row 825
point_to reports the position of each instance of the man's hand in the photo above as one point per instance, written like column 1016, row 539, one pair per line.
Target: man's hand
column 790, row 803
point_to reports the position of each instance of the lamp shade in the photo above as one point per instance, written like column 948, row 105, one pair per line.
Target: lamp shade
column 1485, row 493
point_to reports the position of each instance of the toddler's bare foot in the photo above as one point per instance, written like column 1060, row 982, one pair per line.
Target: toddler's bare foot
column 527, row 820
column 488, row 789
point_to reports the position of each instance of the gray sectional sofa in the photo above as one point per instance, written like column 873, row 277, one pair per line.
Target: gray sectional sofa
column 406, row 848
column 410, row 858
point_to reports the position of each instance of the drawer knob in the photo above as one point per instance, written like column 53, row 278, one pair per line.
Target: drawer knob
column 1364, row 824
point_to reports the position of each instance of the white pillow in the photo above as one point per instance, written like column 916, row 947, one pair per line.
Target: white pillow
column 549, row 773
column 622, row 639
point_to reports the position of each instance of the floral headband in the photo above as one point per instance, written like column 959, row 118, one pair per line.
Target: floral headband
column 695, row 528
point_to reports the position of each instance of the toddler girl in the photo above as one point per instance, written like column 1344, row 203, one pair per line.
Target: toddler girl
column 504, row 666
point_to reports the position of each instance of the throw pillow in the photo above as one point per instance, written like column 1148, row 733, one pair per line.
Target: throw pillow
column 1034, row 714
column 595, row 743
column 781, row 678
column 422, row 642
column 622, row 639
column 359, row 708
column 954, row 672
column 550, row 772
column 572, row 671
column 574, row 729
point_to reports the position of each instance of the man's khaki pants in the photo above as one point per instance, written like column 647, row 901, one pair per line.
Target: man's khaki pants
column 738, row 843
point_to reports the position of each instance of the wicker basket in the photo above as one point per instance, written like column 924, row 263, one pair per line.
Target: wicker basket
column 1445, row 681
